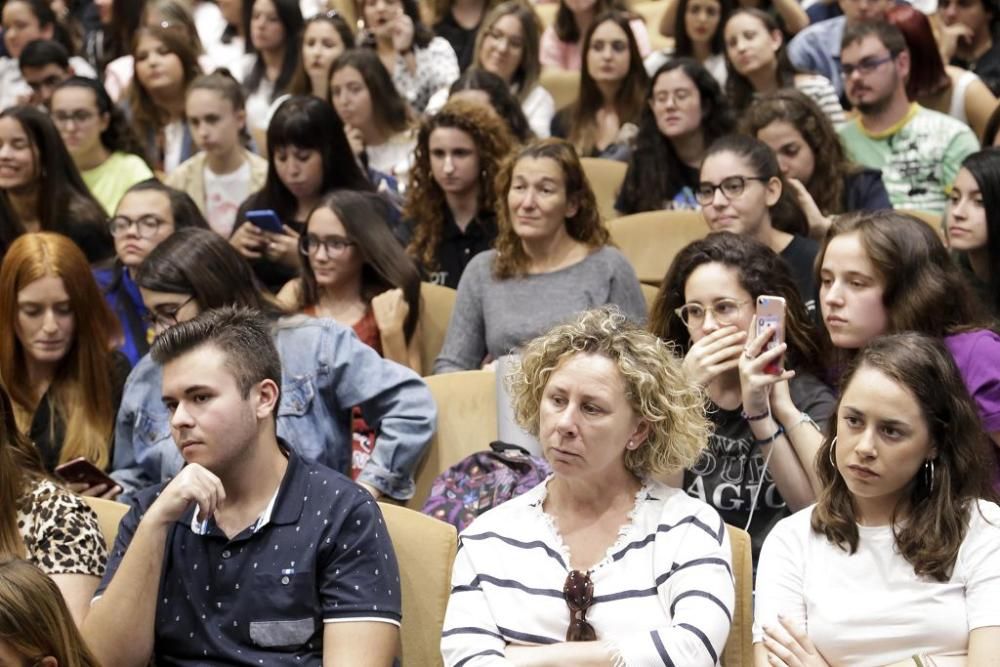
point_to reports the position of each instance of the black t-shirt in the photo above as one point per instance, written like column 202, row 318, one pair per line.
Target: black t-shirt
column 457, row 248
column 800, row 256
column 728, row 474
column 461, row 39
column 987, row 67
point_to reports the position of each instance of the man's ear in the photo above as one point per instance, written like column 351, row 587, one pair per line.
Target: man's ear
column 903, row 64
column 268, row 394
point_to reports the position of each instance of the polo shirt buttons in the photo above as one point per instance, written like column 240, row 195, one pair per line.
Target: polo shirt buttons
column 285, row 580
column 227, row 553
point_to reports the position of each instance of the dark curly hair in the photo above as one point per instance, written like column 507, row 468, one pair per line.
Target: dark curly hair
column 760, row 271
column 826, row 185
column 585, row 226
column 654, row 170
column 933, row 531
column 425, row 201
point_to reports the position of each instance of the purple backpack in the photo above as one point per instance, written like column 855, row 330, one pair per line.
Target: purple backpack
column 482, row 481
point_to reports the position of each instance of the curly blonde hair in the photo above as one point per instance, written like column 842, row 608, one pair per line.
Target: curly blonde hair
column 656, row 386
column 425, row 201
column 585, row 226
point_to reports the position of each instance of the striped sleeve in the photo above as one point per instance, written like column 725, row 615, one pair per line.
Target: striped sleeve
column 821, row 91
column 697, row 587
column 471, row 637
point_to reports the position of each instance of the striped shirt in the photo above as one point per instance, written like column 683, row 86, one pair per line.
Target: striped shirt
column 663, row 594
column 821, row 91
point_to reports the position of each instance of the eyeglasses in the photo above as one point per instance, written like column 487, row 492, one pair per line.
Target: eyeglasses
column 145, row 225
column 731, row 187
column 80, row 116
column 50, row 81
column 165, row 315
column 679, row 96
column 578, row 591
column 865, row 67
column 333, row 245
column 513, row 43
column 724, row 311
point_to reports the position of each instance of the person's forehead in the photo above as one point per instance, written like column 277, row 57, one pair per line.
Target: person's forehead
column 203, row 367
column 866, row 46
column 43, row 72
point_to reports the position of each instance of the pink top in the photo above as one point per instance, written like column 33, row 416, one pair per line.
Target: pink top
column 566, row 55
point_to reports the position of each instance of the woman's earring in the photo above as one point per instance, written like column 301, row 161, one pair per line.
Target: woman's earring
column 833, row 453
column 929, row 475
column 630, row 445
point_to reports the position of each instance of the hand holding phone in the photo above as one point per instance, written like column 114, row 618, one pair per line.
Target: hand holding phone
column 771, row 315
column 265, row 220
column 82, row 471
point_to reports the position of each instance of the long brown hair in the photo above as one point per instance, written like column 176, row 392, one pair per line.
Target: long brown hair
column 425, row 201
column 34, row 619
column 584, row 227
column 19, row 464
column 831, row 162
column 81, row 389
column 630, row 99
column 526, row 75
column 930, row 537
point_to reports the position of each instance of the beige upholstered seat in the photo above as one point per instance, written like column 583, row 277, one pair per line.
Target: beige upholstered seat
column 436, row 304
column 651, row 240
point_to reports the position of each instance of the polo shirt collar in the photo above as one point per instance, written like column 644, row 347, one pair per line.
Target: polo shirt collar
column 285, row 506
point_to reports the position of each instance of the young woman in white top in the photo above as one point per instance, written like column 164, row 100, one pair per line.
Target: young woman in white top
column 896, row 564
column 273, row 28
column 223, row 173
column 419, row 63
column 376, row 118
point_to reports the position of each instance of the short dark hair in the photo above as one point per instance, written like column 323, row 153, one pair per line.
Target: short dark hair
column 243, row 335
column 890, row 36
column 42, row 52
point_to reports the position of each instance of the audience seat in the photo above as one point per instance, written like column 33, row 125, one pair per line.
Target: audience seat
column 606, row 178
column 739, row 646
column 650, row 240
column 935, row 220
column 436, row 304
column 425, row 549
column 109, row 515
column 563, row 85
column 649, row 292
column 651, row 11
column 466, row 423
column 546, row 13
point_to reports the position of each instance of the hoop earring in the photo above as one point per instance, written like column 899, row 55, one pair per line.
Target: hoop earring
column 929, row 475
column 833, row 452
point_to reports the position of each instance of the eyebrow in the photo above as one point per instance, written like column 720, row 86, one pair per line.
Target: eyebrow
column 882, row 420
column 193, row 389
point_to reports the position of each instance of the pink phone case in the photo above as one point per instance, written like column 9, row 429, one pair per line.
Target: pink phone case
column 771, row 313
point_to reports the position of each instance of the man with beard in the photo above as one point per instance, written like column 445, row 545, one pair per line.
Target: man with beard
column 918, row 150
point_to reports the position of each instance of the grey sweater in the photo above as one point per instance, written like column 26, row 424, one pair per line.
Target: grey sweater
column 496, row 316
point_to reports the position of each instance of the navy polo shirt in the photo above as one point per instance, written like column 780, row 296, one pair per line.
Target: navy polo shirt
column 320, row 553
column 457, row 248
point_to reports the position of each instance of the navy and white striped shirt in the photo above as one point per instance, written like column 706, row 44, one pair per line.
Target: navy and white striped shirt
column 663, row 594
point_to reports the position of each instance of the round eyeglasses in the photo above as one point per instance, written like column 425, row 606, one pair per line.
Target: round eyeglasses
column 145, row 225
column 724, row 311
column 732, row 187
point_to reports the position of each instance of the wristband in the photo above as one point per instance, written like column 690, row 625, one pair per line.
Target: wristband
column 768, row 441
column 755, row 418
column 804, row 419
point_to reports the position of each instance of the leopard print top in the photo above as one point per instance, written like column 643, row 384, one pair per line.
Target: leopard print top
column 60, row 531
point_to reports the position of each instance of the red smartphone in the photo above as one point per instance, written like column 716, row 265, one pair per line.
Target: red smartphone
column 82, row 471
column 771, row 314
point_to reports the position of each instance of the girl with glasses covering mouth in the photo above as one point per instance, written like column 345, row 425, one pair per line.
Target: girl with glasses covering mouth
column 758, row 466
column 600, row 563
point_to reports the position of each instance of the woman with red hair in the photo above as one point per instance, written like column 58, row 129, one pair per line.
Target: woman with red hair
column 945, row 88
column 56, row 357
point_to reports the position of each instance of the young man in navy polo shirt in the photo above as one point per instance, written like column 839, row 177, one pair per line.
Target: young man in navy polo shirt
column 250, row 554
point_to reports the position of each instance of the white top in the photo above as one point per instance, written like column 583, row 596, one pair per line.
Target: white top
column 437, row 68
column 258, row 102
column 870, row 608
column 173, row 141
column 223, row 195
column 957, row 109
column 394, row 157
column 663, row 594
column 539, row 108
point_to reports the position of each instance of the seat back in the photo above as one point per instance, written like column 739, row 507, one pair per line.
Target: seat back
column 649, row 293
column 606, row 178
column 739, row 646
column 934, row 220
column 436, row 304
column 563, row 85
column 425, row 549
column 650, row 240
column 109, row 515
column 466, row 424
column 651, row 11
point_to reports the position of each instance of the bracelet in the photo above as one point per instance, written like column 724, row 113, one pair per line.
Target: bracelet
column 767, row 441
column 755, row 418
column 804, row 419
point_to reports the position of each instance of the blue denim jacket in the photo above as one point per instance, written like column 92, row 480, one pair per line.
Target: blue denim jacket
column 326, row 370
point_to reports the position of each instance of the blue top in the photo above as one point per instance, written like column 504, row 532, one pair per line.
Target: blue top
column 319, row 552
column 816, row 49
column 122, row 295
column 325, row 371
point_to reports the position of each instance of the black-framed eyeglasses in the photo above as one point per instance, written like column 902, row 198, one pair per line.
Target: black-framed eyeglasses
column 145, row 225
column 732, row 187
column 80, row 116
column 865, row 67
column 165, row 315
column 51, row 81
column 578, row 591
column 309, row 244
column 725, row 311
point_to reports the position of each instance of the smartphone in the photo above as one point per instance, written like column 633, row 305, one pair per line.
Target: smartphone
column 83, row 471
column 771, row 314
column 266, row 220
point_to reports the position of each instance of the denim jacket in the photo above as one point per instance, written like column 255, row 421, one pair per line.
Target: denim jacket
column 325, row 371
